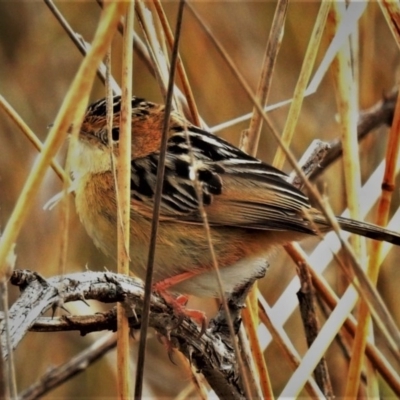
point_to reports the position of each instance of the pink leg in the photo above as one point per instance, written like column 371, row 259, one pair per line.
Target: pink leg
column 174, row 280
column 179, row 303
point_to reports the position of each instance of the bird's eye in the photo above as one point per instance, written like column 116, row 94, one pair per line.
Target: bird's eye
column 115, row 134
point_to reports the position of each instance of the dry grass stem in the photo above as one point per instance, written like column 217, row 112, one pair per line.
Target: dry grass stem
column 348, row 25
column 299, row 91
column 328, row 331
column 157, row 204
column 321, row 257
column 195, row 118
column 391, row 11
column 124, row 203
column 319, row 346
column 249, row 139
column 159, row 59
column 9, row 110
column 371, row 295
column 139, row 46
column 80, row 44
column 374, row 355
column 388, row 184
column 281, row 338
column 359, row 279
column 256, row 350
column 346, row 98
column 249, row 144
column 313, row 192
column 249, row 362
column 222, row 59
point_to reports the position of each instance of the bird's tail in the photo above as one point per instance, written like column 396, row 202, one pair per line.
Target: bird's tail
column 370, row 231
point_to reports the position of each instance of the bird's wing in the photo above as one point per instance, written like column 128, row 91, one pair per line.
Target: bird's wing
column 236, row 189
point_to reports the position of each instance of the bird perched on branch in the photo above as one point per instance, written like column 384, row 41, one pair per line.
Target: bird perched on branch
column 251, row 207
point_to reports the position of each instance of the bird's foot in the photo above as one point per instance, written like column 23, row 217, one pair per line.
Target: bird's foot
column 178, row 304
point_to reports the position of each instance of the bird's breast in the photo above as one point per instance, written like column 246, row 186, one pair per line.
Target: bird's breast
column 96, row 207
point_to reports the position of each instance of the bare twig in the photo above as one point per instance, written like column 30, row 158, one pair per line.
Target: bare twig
column 8, row 385
column 368, row 120
column 306, row 298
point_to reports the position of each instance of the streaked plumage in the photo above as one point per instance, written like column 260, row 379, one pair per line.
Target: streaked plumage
column 250, row 205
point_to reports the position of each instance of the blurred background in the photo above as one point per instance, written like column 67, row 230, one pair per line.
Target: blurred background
column 39, row 62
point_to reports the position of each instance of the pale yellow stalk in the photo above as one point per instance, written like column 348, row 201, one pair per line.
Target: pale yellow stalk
column 124, row 201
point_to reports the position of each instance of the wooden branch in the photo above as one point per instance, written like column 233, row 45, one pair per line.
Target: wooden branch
column 307, row 304
column 381, row 113
column 211, row 354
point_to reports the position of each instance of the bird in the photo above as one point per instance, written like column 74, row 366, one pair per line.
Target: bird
column 251, row 207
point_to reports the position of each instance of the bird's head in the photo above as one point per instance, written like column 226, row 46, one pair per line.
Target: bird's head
column 91, row 154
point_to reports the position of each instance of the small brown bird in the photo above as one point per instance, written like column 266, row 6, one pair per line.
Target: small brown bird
column 250, row 205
